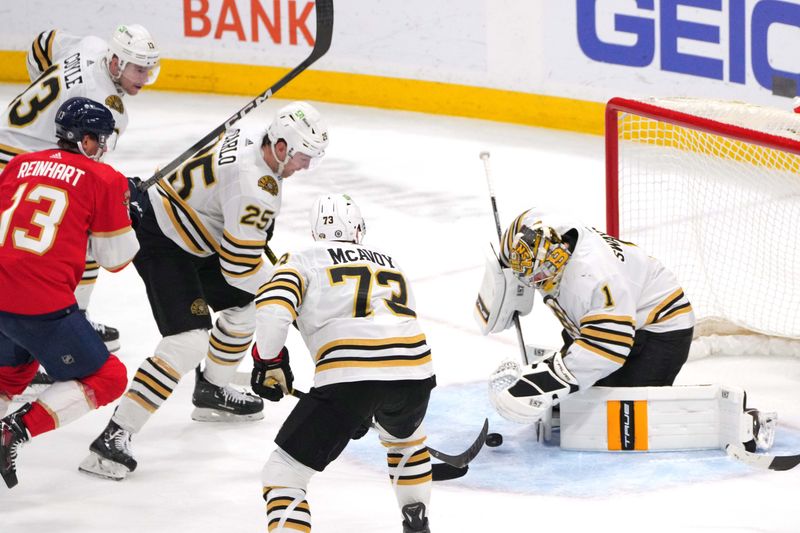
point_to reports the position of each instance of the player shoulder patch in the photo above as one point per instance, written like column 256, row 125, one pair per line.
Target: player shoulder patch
column 115, row 102
column 269, row 184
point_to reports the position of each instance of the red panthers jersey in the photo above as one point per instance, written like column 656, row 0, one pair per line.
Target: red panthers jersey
column 53, row 204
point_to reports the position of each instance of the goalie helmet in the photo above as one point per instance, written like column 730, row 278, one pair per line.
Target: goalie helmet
column 535, row 252
column 79, row 116
column 301, row 127
column 133, row 44
column 336, row 217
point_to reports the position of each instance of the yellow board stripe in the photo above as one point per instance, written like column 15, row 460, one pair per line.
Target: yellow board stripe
column 365, row 90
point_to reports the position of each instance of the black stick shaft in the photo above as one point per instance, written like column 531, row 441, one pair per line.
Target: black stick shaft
column 321, row 45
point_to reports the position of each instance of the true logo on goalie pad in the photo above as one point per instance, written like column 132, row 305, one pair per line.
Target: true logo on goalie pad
column 627, row 425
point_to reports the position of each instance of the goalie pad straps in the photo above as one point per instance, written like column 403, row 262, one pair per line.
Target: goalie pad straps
column 501, row 296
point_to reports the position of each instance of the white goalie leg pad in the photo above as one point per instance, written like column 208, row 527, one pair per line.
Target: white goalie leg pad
column 66, row 401
column 674, row 418
column 500, row 296
column 157, row 377
column 228, row 343
column 409, row 466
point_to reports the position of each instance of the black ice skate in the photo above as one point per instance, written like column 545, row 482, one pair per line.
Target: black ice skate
column 223, row 404
column 110, row 454
column 109, row 335
column 414, row 519
column 13, row 434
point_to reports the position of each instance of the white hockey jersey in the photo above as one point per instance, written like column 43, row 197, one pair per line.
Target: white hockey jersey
column 354, row 309
column 222, row 201
column 610, row 289
column 64, row 66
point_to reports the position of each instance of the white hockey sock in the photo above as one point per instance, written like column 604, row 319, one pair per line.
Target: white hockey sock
column 226, row 349
column 409, row 467
column 5, row 401
column 66, row 401
column 287, row 510
column 152, row 384
column 83, row 292
column 285, row 480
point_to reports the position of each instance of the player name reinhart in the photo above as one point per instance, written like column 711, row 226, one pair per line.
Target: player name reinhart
column 340, row 255
column 51, row 169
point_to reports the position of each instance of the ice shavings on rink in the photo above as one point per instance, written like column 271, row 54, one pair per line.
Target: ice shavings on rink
column 523, row 466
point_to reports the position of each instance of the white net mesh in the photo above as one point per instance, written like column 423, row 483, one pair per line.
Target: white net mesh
column 721, row 212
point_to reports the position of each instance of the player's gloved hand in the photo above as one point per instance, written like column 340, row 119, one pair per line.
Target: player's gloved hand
column 271, row 378
column 139, row 201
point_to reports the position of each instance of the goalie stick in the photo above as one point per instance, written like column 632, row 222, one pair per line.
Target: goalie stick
column 493, row 198
column 452, row 466
column 321, row 46
column 766, row 461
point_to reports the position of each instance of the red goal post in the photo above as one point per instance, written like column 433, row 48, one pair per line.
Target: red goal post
column 712, row 189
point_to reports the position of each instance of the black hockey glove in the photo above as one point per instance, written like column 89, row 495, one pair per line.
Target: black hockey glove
column 139, row 201
column 271, row 378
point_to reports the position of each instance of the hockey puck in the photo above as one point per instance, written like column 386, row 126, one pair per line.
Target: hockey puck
column 493, row 440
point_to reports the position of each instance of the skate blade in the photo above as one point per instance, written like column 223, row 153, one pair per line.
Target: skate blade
column 113, row 346
column 203, row 414
column 94, row 465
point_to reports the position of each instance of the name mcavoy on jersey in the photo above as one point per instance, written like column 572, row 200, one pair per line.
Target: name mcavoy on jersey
column 52, row 170
column 339, row 255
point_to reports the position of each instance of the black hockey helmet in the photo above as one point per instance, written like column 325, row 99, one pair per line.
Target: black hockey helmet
column 79, row 116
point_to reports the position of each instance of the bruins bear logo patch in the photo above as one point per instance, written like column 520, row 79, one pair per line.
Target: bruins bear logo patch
column 115, row 103
column 199, row 307
column 269, row 184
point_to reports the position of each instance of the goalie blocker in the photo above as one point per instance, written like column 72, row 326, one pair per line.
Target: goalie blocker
column 696, row 417
column 501, row 296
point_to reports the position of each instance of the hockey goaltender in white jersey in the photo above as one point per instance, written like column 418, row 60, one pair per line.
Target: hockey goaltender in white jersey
column 627, row 332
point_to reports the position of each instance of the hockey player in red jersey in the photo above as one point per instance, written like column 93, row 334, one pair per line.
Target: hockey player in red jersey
column 53, row 204
column 63, row 66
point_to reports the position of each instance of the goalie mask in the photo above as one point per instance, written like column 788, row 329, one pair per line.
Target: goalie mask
column 301, row 127
column 134, row 47
column 336, row 217
column 535, row 252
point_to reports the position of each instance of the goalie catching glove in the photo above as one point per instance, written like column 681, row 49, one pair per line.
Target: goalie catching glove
column 500, row 297
column 271, row 378
column 526, row 394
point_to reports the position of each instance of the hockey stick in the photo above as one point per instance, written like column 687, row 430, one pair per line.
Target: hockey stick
column 766, row 461
column 493, row 198
column 321, row 46
column 453, row 466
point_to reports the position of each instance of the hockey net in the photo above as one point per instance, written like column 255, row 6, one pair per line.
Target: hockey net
column 712, row 189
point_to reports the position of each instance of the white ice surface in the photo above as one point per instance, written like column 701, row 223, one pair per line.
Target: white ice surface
column 421, row 187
